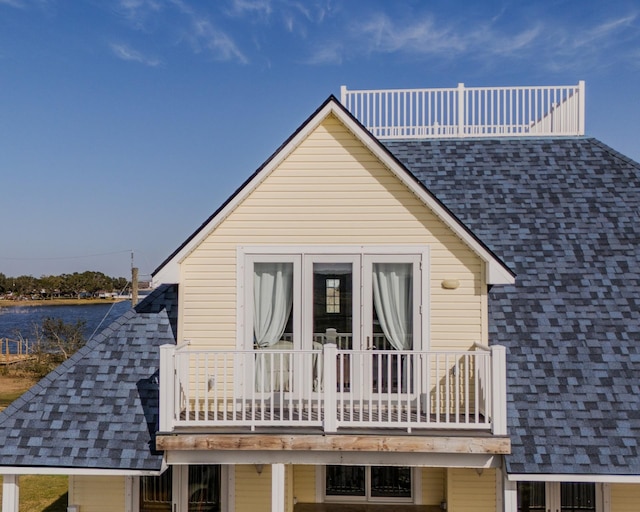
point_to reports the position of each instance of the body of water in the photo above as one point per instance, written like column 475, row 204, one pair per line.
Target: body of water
column 21, row 319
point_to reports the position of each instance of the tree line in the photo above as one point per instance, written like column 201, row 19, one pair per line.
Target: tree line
column 76, row 285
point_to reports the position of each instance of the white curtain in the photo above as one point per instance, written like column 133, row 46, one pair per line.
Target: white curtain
column 393, row 300
column 272, row 301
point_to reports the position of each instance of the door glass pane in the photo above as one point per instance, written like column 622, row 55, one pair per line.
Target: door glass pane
column 390, row 482
column 333, row 313
column 345, row 481
column 273, row 325
column 531, row 496
column 392, row 325
column 272, row 305
column 204, row 488
column 155, row 492
column 577, row 497
column 333, row 304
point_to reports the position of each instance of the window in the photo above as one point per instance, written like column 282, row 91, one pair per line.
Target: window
column 577, row 497
column 357, row 298
column 531, row 496
column 332, row 287
column 563, row 497
column 201, row 489
column 368, row 483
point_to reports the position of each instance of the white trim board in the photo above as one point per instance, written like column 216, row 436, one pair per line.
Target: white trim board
column 496, row 271
column 17, row 470
column 543, row 477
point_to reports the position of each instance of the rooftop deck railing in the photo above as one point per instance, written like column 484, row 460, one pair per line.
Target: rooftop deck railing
column 469, row 111
column 332, row 389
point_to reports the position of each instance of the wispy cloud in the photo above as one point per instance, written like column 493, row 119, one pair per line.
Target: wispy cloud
column 603, row 31
column 186, row 24
column 217, row 42
column 327, row 54
column 553, row 42
column 125, row 52
column 18, row 4
column 422, row 36
column 242, row 7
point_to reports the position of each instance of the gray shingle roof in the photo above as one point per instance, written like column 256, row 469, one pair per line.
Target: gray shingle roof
column 99, row 409
column 564, row 214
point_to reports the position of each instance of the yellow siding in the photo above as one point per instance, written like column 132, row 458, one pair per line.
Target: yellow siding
column 304, row 484
column 331, row 190
column 625, row 497
column 253, row 490
column 467, row 491
column 433, row 485
column 97, row 493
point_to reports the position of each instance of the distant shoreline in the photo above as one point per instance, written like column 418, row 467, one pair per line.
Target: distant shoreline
column 4, row 303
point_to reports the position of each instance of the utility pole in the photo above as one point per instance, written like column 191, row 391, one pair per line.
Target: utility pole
column 134, row 283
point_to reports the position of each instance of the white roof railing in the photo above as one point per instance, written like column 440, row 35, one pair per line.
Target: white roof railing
column 469, row 111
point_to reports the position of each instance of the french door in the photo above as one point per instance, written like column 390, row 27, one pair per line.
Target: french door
column 358, row 300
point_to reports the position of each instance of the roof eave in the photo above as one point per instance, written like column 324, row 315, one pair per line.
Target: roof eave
column 497, row 270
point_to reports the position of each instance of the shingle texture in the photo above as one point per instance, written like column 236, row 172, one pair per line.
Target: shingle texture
column 99, row 409
column 564, row 214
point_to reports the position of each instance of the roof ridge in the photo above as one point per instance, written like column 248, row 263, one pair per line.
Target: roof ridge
column 614, row 153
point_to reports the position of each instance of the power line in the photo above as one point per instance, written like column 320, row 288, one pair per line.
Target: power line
column 48, row 258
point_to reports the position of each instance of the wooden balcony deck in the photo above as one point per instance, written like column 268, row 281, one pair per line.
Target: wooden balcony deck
column 376, row 416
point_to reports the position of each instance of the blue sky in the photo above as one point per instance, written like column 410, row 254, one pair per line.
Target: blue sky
column 124, row 124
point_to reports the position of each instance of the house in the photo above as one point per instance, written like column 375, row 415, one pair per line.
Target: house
column 424, row 300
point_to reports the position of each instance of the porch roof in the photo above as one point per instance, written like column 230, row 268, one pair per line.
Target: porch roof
column 99, row 409
column 564, row 215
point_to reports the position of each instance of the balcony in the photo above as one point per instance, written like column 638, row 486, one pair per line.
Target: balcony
column 330, row 389
column 461, row 111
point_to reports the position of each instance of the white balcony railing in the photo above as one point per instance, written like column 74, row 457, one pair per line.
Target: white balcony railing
column 333, row 389
column 469, row 111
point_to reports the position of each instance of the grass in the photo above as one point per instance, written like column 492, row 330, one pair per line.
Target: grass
column 38, row 493
column 7, row 398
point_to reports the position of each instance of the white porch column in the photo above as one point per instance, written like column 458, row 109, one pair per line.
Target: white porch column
column 510, row 493
column 10, row 493
column 277, row 488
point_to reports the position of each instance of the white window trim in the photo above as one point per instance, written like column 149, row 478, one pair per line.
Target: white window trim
column 553, row 497
column 245, row 255
column 180, row 483
column 321, row 490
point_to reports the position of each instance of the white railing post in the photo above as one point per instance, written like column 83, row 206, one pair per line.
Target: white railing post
column 330, row 387
column 581, row 108
column 460, row 128
column 167, row 388
column 343, row 95
column 499, row 390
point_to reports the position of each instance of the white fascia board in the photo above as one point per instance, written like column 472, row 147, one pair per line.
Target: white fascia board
column 337, row 457
column 170, row 272
column 32, row 470
column 545, row 477
column 497, row 273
